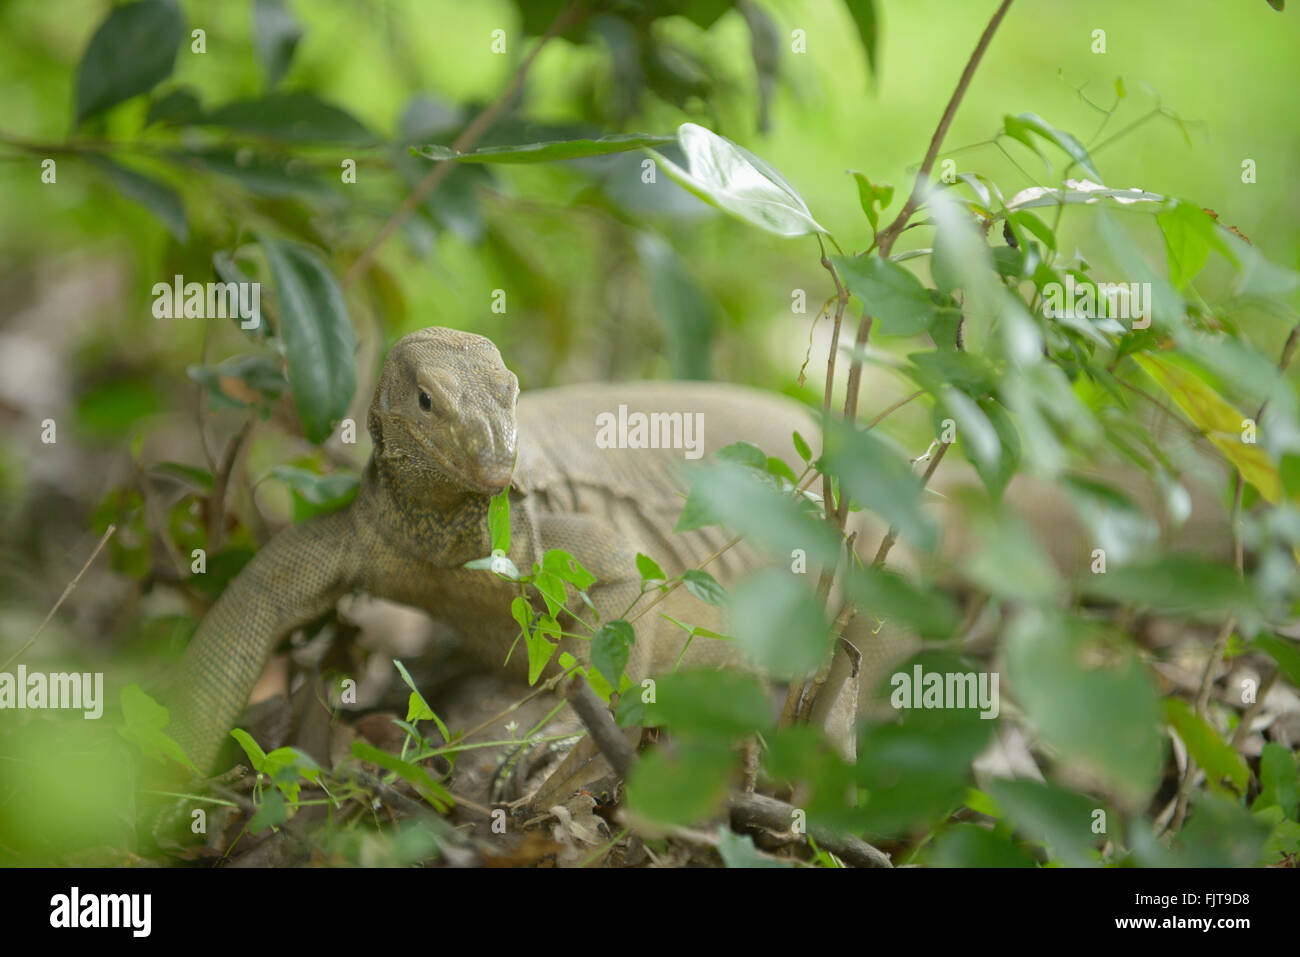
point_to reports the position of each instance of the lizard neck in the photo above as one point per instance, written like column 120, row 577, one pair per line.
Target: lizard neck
column 435, row 522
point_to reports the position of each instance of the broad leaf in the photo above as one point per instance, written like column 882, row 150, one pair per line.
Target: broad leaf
column 276, row 33
column 133, row 50
column 547, row 152
column 738, row 182
column 318, row 338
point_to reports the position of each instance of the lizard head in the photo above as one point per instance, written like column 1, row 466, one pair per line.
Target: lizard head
column 444, row 411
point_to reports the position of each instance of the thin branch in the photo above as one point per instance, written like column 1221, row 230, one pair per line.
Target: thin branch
column 841, row 301
column 604, row 732
column 892, row 535
column 467, row 140
column 757, row 810
column 890, row 233
column 108, row 533
column 893, row 408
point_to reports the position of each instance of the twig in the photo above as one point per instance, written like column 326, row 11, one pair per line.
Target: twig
column 892, row 535
column 892, row 409
column 841, row 301
column 467, row 140
column 221, row 486
column 604, row 732
column 108, row 533
column 758, row 810
column 851, row 401
column 543, row 688
column 890, row 233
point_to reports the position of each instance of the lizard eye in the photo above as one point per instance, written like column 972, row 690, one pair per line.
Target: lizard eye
column 426, row 403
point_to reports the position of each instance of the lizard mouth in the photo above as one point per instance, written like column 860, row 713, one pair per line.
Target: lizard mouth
column 485, row 480
column 491, row 480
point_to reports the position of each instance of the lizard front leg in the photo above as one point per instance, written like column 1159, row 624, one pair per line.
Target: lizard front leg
column 296, row 577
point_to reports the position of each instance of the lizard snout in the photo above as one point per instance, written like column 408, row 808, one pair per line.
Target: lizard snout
column 493, row 478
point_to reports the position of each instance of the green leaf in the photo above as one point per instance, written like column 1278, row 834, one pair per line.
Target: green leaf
column 522, row 612
column 195, row 479
column 287, row 767
column 918, row 768
column 1009, row 561
column 1089, row 696
column 417, row 708
column 552, row 588
column 778, row 468
column 270, row 813
column 1220, row 833
column 878, row 478
column 547, row 152
column 318, row 338
column 735, row 496
column 561, row 563
column 1283, row 844
column 1072, row 147
column 610, row 647
column 649, row 569
column 131, row 51
column 159, row 199
column 298, row 117
column 719, row 705
column 429, row 789
column 743, row 453
column 682, row 787
column 143, row 720
column 779, row 623
column 1279, row 780
column 260, row 172
column 866, row 20
column 241, row 381
column 499, row 521
column 1175, row 584
column 178, row 107
column 1039, row 229
column 1116, row 525
column 1215, row 416
column 889, row 596
column 873, row 199
column 997, row 479
column 975, row 434
column 889, row 292
column 969, row 845
column 1284, row 652
column 1084, row 193
column 736, row 181
column 801, row 446
column 540, row 647
column 1210, row 751
column 738, row 850
column 704, row 586
column 1190, row 233
column 276, row 33
column 939, row 367
column 256, row 756
column 323, row 493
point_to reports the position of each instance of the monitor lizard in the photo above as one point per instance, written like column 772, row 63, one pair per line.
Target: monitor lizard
column 450, row 430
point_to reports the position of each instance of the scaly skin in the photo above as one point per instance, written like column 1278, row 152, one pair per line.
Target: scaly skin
column 421, row 513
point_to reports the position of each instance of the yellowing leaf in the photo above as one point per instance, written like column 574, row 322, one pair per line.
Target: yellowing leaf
column 1217, row 417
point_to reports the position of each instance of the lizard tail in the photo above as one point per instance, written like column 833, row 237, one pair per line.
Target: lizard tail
column 296, row 577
